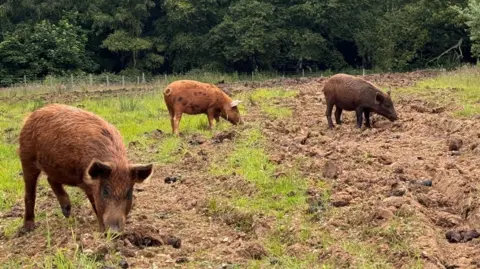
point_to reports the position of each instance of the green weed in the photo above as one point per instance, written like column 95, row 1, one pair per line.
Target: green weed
column 460, row 88
column 128, row 104
column 265, row 96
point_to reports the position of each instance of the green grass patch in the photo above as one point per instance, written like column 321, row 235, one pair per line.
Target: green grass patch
column 461, row 87
column 265, row 98
column 276, row 195
column 281, row 195
column 264, row 94
column 366, row 256
column 11, row 183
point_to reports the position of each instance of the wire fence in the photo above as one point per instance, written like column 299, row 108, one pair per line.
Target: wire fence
column 89, row 82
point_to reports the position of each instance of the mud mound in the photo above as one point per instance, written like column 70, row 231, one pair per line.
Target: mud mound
column 146, row 236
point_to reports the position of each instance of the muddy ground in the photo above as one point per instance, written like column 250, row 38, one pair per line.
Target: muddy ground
column 376, row 175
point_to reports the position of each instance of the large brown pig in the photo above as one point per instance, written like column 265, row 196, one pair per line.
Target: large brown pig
column 74, row 147
column 193, row 97
column 350, row 93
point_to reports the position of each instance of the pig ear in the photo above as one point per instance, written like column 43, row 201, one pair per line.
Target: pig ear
column 235, row 103
column 98, row 170
column 141, row 172
column 379, row 98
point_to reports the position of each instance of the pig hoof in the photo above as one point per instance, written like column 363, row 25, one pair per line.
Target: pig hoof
column 27, row 227
column 66, row 210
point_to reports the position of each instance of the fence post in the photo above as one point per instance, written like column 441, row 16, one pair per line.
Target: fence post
column 123, row 81
column 165, row 78
column 138, row 80
column 363, row 70
column 143, row 78
column 90, row 78
column 71, row 80
column 303, row 73
column 108, row 81
column 25, row 80
column 252, row 75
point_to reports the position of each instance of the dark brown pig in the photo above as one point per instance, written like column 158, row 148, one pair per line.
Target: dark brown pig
column 74, row 147
column 193, row 97
column 350, row 93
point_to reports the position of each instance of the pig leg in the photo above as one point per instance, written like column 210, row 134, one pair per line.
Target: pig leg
column 171, row 119
column 176, row 121
column 211, row 116
column 328, row 113
column 359, row 112
column 338, row 114
column 367, row 118
column 89, row 194
column 62, row 197
column 30, row 176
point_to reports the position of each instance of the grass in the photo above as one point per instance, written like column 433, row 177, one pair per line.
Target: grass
column 82, row 83
column 280, row 192
column 265, row 96
column 460, row 87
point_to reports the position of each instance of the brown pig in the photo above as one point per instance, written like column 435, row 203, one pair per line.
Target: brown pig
column 193, row 97
column 350, row 93
column 74, row 147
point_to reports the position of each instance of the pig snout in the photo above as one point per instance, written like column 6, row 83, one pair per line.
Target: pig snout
column 115, row 222
column 115, row 225
column 393, row 116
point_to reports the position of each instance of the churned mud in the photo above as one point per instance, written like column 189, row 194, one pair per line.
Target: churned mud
column 420, row 173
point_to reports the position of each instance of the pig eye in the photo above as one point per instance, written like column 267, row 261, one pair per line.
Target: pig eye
column 130, row 194
column 105, row 192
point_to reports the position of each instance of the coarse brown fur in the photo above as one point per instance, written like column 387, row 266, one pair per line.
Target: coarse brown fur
column 193, row 97
column 350, row 93
column 75, row 147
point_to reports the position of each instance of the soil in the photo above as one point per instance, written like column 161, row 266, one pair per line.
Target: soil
column 374, row 174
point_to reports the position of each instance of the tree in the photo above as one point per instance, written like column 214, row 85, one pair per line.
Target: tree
column 471, row 17
column 45, row 48
column 247, row 34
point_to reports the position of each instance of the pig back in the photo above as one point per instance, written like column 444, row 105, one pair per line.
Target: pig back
column 193, row 97
column 63, row 140
column 349, row 92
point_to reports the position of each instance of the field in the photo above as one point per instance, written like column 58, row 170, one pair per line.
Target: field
column 281, row 191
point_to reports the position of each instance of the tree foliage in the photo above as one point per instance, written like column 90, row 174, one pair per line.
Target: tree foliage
column 39, row 37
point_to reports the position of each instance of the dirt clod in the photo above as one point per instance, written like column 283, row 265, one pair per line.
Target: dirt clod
column 330, row 170
column 123, row 264
column 146, row 237
column 341, row 199
column 196, row 140
column 383, row 213
column 384, row 160
column 461, row 236
column 398, row 169
column 399, row 191
column 170, row 180
column 420, row 108
column 225, row 135
column 253, row 251
column 394, row 201
column 157, row 134
column 181, row 260
column 454, row 144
